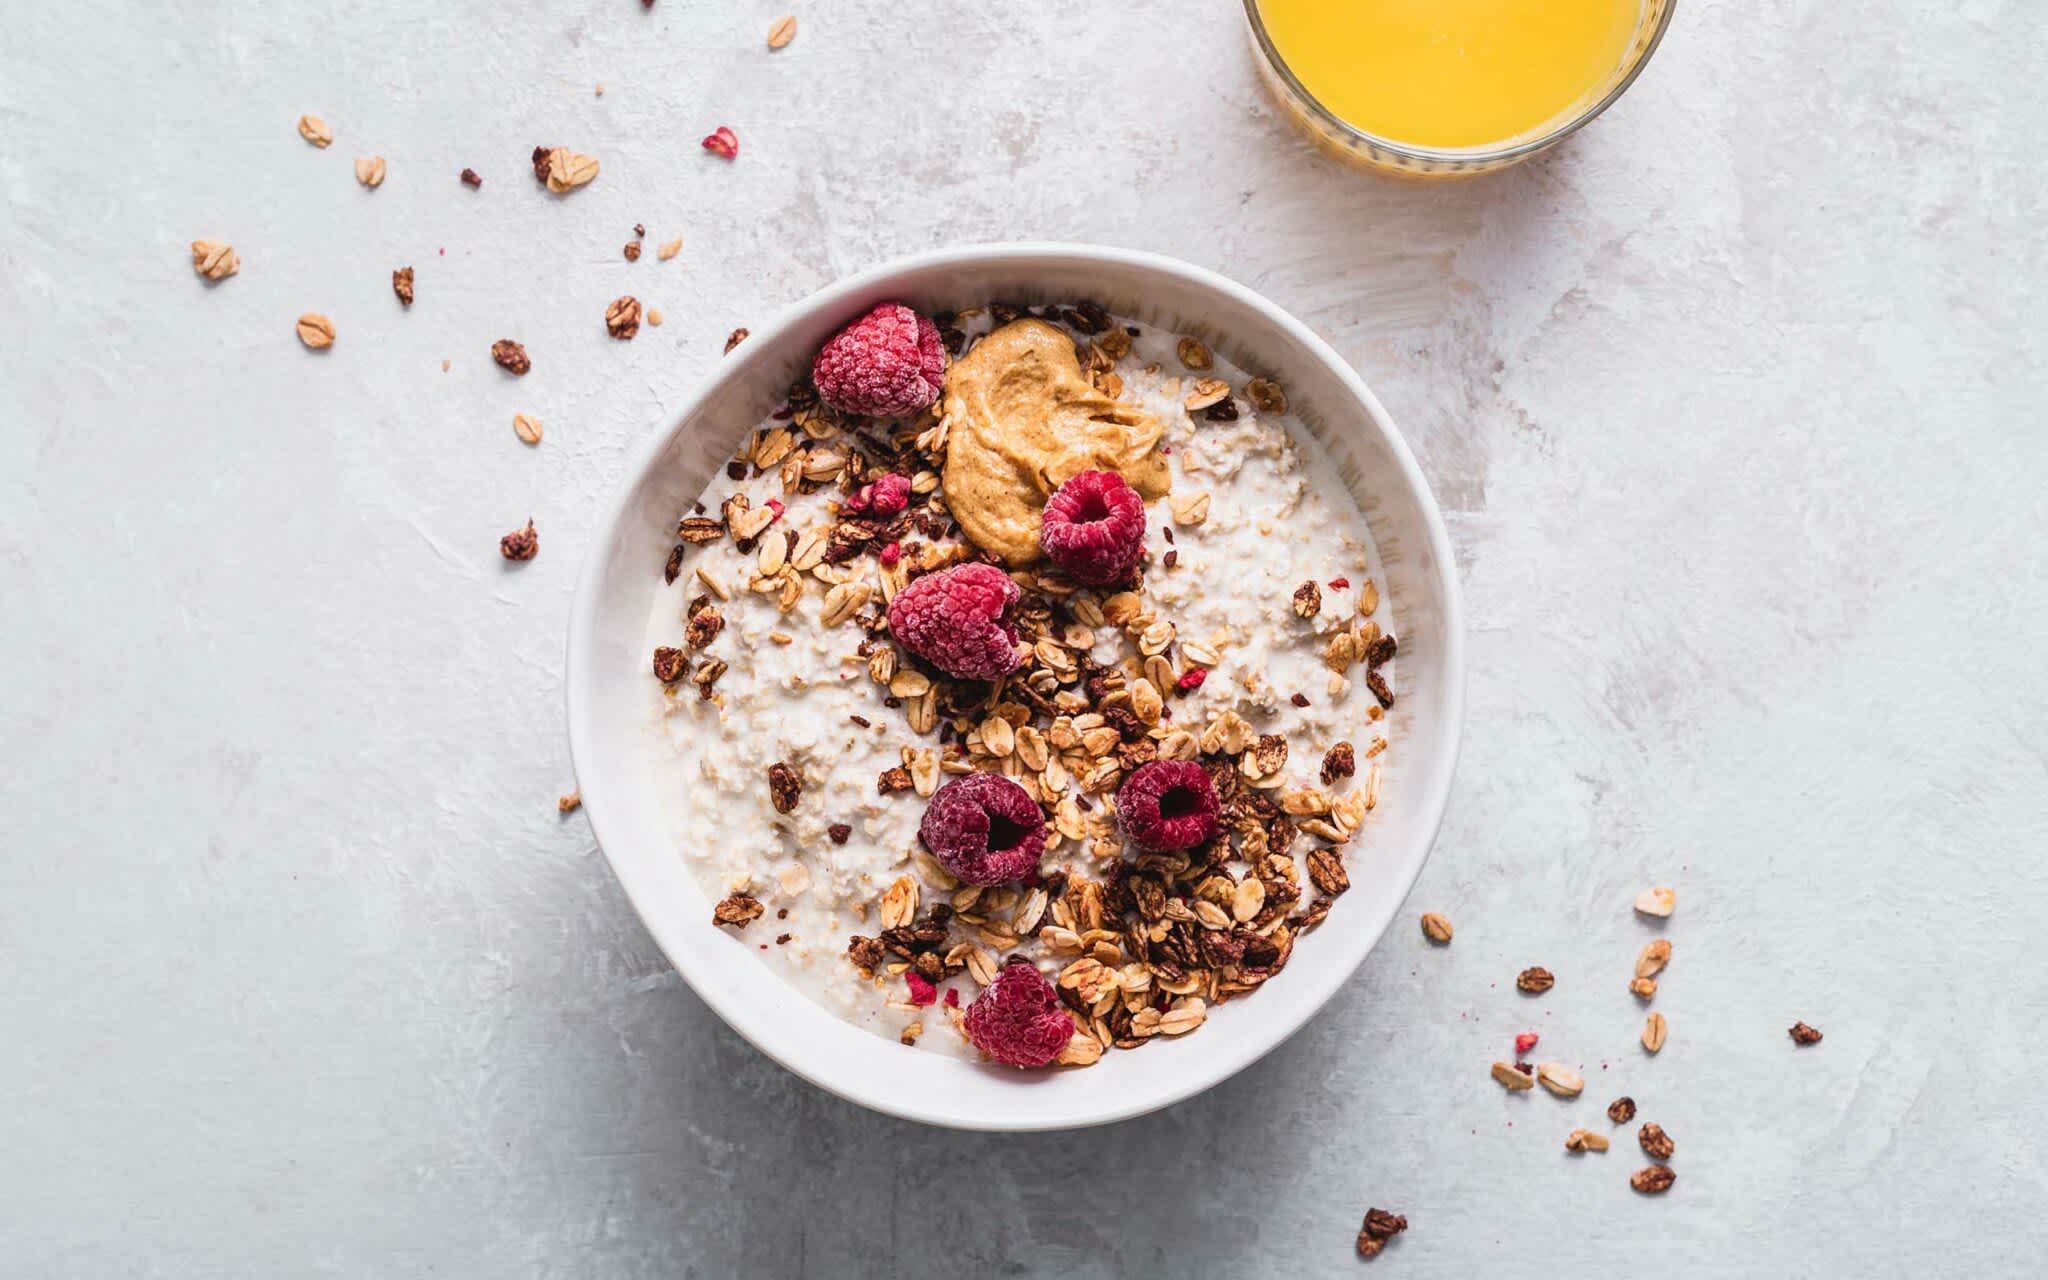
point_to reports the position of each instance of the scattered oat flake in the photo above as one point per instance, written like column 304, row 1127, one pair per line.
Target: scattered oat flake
column 314, row 130
column 669, row 249
column 1437, row 928
column 316, row 331
column 370, row 171
column 526, row 427
column 723, row 142
column 780, row 34
column 1657, row 902
column 214, row 259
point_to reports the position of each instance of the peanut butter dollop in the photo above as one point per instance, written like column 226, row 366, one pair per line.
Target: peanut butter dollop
column 1022, row 419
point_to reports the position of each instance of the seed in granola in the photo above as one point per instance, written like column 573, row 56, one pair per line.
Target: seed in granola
column 1653, row 959
column 781, row 33
column 1656, row 1143
column 1581, row 1140
column 654, row 316
column 316, row 331
column 314, row 130
column 738, row 910
column 1804, row 1035
column 1560, row 1079
column 214, row 260
column 733, row 339
column 1643, row 988
column 785, row 785
column 1535, row 980
column 510, row 356
column 370, row 171
column 1266, row 395
column 470, row 178
column 1657, row 902
column 527, row 428
column 1193, row 354
column 622, row 318
column 1379, row 1227
column 1340, row 761
column 1437, row 928
column 1622, row 1110
column 1512, row 1076
column 1654, row 1031
column 670, row 664
column 1653, row 1180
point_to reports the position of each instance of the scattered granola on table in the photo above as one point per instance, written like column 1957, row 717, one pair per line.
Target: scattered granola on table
column 865, row 612
column 1803, row 1035
column 401, row 284
column 520, row 544
column 214, row 260
column 1379, row 1227
column 510, row 356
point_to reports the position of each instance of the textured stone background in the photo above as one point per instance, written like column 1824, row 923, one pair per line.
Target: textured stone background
column 1734, row 407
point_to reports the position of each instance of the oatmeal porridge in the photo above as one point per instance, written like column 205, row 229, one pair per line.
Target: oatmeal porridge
column 1024, row 680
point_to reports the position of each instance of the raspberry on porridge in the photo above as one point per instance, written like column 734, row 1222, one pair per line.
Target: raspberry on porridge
column 1038, row 688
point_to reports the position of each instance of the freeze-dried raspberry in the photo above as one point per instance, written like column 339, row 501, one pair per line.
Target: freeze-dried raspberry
column 890, row 554
column 922, row 992
column 984, row 828
column 723, row 143
column 884, row 498
column 886, row 364
column 1191, row 679
column 1167, row 805
column 957, row 620
column 1094, row 528
column 1525, row 1042
column 1018, row 1019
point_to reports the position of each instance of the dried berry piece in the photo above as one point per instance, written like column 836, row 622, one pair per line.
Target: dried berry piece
column 1437, row 928
column 1093, row 528
column 840, row 832
column 984, row 828
column 540, row 163
column 1622, row 1110
column 722, row 142
column 510, row 356
column 1168, row 805
column 959, row 621
column 1656, row 1143
column 1804, row 1035
column 785, row 786
column 470, row 178
column 1535, row 980
column 670, row 665
column 1380, row 689
column 1653, row 1180
column 1378, row 1228
column 632, row 251
column 1018, row 1019
column 733, row 339
column 738, row 910
column 1525, row 1042
column 520, row 544
column 887, row 364
column 401, row 284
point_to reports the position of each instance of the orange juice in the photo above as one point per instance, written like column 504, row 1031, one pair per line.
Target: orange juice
column 1452, row 73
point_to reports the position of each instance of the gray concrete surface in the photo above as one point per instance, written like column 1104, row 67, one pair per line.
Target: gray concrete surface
column 1734, row 406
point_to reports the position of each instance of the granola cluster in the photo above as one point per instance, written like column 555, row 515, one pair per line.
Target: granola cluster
column 1139, row 942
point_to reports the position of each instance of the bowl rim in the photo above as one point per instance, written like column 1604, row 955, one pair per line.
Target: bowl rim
column 1431, row 801
column 1486, row 154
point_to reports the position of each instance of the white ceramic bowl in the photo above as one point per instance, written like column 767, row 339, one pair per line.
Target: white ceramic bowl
column 619, row 766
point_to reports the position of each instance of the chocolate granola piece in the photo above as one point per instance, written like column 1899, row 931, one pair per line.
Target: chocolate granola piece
column 1653, row 1180
column 1535, row 980
column 1308, row 600
column 738, row 910
column 893, row 780
column 1622, row 1110
column 401, row 284
column 1656, row 1143
column 1380, row 689
column 703, row 627
column 785, row 785
column 1339, row 762
column 470, row 178
column 1379, row 1227
column 1326, row 870
column 622, row 318
column 867, row 954
column 840, row 832
column 700, row 529
column 1803, row 1035
column 520, row 544
column 670, row 665
column 674, row 567
column 1380, row 652
column 511, row 357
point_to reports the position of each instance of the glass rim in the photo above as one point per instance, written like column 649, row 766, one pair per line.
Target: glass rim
column 1484, row 154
